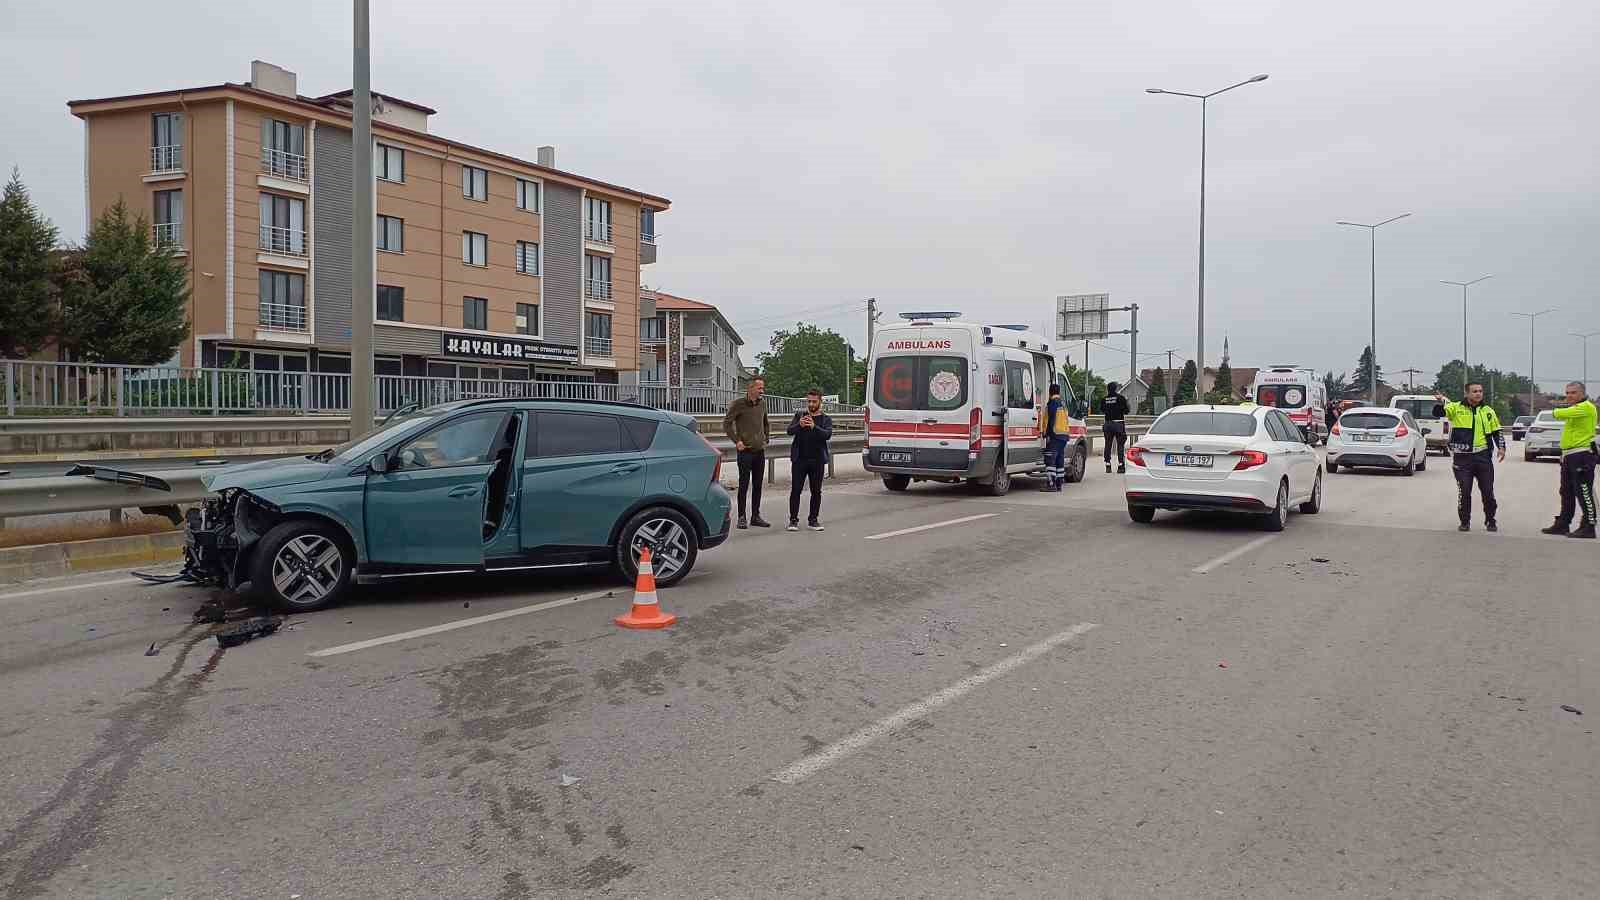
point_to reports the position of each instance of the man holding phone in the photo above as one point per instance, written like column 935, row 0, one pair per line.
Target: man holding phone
column 808, row 458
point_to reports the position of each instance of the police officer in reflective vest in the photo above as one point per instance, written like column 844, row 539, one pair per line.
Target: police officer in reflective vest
column 1577, row 463
column 1474, row 425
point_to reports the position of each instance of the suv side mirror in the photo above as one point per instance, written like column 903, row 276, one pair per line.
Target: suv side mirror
column 379, row 464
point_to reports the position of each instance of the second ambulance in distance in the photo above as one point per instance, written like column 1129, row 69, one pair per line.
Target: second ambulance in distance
column 953, row 401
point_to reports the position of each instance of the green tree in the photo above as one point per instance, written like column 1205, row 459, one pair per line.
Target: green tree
column 27, row 290
column 1337, row 386
column 1222, row 386
column 804, row 358
column 1071, row 374
column 1360, row 382
column 1507, row 392
column 123, row 298
column 1187, row 385
column 1158, row 388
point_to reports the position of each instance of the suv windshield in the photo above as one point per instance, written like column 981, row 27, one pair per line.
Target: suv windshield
column 1283, row 396
column 1368, row 420
column 1209, row 423
column 353, row 451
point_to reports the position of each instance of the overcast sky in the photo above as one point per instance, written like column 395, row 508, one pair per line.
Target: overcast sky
column 978, row 156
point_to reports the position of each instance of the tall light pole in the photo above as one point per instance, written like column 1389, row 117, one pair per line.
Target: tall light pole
column 1200, row 304
column 1533, row 386
column 362, row 290
column 1585, row 335
column 1465, row 368
column 1372, row 362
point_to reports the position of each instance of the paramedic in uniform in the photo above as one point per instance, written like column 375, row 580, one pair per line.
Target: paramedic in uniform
column 1055, row 441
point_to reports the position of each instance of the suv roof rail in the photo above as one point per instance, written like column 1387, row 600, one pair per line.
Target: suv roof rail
column 483, row 401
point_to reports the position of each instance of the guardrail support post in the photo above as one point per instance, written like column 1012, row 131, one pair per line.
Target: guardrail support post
column 772, row 470
column 216, row 392
column 11, row 396
column 831, row 473
column 122, row 387
column 116, row 515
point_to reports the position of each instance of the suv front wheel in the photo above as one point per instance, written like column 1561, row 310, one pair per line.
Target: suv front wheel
column 300, row 566
column 674, row 545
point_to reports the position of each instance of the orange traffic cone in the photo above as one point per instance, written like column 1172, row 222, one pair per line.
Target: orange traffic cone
column 646, row 612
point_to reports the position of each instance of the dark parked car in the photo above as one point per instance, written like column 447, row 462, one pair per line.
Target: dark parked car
column 1519, row 428
column 477, row 486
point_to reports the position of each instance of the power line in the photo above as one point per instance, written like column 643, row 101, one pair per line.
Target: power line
column 785, row 316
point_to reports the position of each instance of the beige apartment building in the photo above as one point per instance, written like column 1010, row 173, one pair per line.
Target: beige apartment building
column 489, row 266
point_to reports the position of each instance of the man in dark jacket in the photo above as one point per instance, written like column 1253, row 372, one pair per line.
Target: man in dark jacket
column 1114, row 409
column 808, row 458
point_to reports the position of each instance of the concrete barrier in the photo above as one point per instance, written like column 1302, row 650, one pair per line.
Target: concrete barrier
column 54, row 560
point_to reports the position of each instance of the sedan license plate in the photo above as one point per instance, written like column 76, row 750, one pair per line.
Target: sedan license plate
column 893, row 457
column 1191, row 460
column 1369, row 438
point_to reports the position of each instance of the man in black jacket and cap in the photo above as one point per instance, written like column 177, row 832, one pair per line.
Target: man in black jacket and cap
column 808, row 458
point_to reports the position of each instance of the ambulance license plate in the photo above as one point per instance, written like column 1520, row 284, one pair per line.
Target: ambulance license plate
column 1190, row 460
column 890, row 456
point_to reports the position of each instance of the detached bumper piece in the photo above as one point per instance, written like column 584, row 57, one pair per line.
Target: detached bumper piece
column 248, row 630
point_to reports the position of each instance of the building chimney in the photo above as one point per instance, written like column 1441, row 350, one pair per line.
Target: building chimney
column 265, row 76
column 547, row 156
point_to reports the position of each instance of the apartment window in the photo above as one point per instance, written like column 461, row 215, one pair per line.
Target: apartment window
column 391, row 303
column 654, row 329
column 474, row 248
column 528, row 195
column 390, row 163
column 474, row 183
column 647, row 226
column 283, row 225
column 283, row 150
column 527, row 258
column 166, row 142
column 391, row 234
column 599, row 272
column 475, row 313
column 599, row 218
column 168, row 217
column 527, row 318
column 283, row 300
column 597, row 333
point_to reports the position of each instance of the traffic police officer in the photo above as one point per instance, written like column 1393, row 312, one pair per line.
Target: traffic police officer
column 1474, row 425
column 1577, row 463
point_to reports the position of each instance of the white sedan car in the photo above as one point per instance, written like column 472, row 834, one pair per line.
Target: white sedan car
column 1543, row 437
column 1246, row 459
column 1377, row 437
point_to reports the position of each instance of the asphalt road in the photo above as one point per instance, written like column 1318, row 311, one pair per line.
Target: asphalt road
column 1030, row 701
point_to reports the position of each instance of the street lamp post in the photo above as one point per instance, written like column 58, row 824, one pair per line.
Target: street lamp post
column 1200, row 304
column 1533, row 385
column 1585, row 335
column 1372, row 362
column 1465, row 369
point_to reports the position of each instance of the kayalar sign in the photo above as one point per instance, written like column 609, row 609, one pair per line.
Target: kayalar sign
column 506, row 349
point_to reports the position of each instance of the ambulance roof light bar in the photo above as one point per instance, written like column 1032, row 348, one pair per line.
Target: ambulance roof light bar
column 912, row 316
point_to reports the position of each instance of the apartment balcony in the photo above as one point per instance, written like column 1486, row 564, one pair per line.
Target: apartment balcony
column 597, row 346
column 169, row 235
column 647, row 247
column 597, row 232
column 166, row 163
column 287, row 318
column 597, row 290
column 285, row 171
column 284, row 246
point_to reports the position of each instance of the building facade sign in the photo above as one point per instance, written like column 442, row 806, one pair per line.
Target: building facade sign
column 469, row 346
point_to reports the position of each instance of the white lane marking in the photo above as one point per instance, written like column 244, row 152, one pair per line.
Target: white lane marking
column 69, row 587
column 838, row 750
column 890, row 534
column 1233, row 554
column 460, row 623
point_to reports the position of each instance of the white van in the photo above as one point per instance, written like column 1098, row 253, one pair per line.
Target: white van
column 952, row 401
column 1429, row 413
column 1299, row 393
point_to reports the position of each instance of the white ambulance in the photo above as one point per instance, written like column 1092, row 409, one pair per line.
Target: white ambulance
column 952, row 401
column 1298, row 392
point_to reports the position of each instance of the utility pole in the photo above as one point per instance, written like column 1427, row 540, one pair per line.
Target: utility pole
column 872, row 322
column 362, row 292
column 1411, row 380
column 1133, row 345
column 844, row 395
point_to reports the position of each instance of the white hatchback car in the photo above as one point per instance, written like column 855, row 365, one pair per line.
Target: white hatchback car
column 1245, row 459
column 1377, row 437
column 1543, row 437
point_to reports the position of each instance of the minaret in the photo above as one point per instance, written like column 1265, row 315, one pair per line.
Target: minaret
column 1225, row 352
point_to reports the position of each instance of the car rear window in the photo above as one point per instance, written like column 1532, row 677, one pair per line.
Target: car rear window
column 641, row 431
column 1210, row 423
column 1546, row 416
column 1368, row 420
column 932, row 383
column 1283, row 396
column 579, row 434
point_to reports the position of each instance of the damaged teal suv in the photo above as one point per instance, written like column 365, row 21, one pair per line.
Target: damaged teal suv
column 474, row 487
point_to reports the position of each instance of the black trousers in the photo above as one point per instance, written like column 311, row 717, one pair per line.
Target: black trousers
column 802, row 471
column 1116, row 432
column 1479, row 467
column 752, row 468
column 1577, row 487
